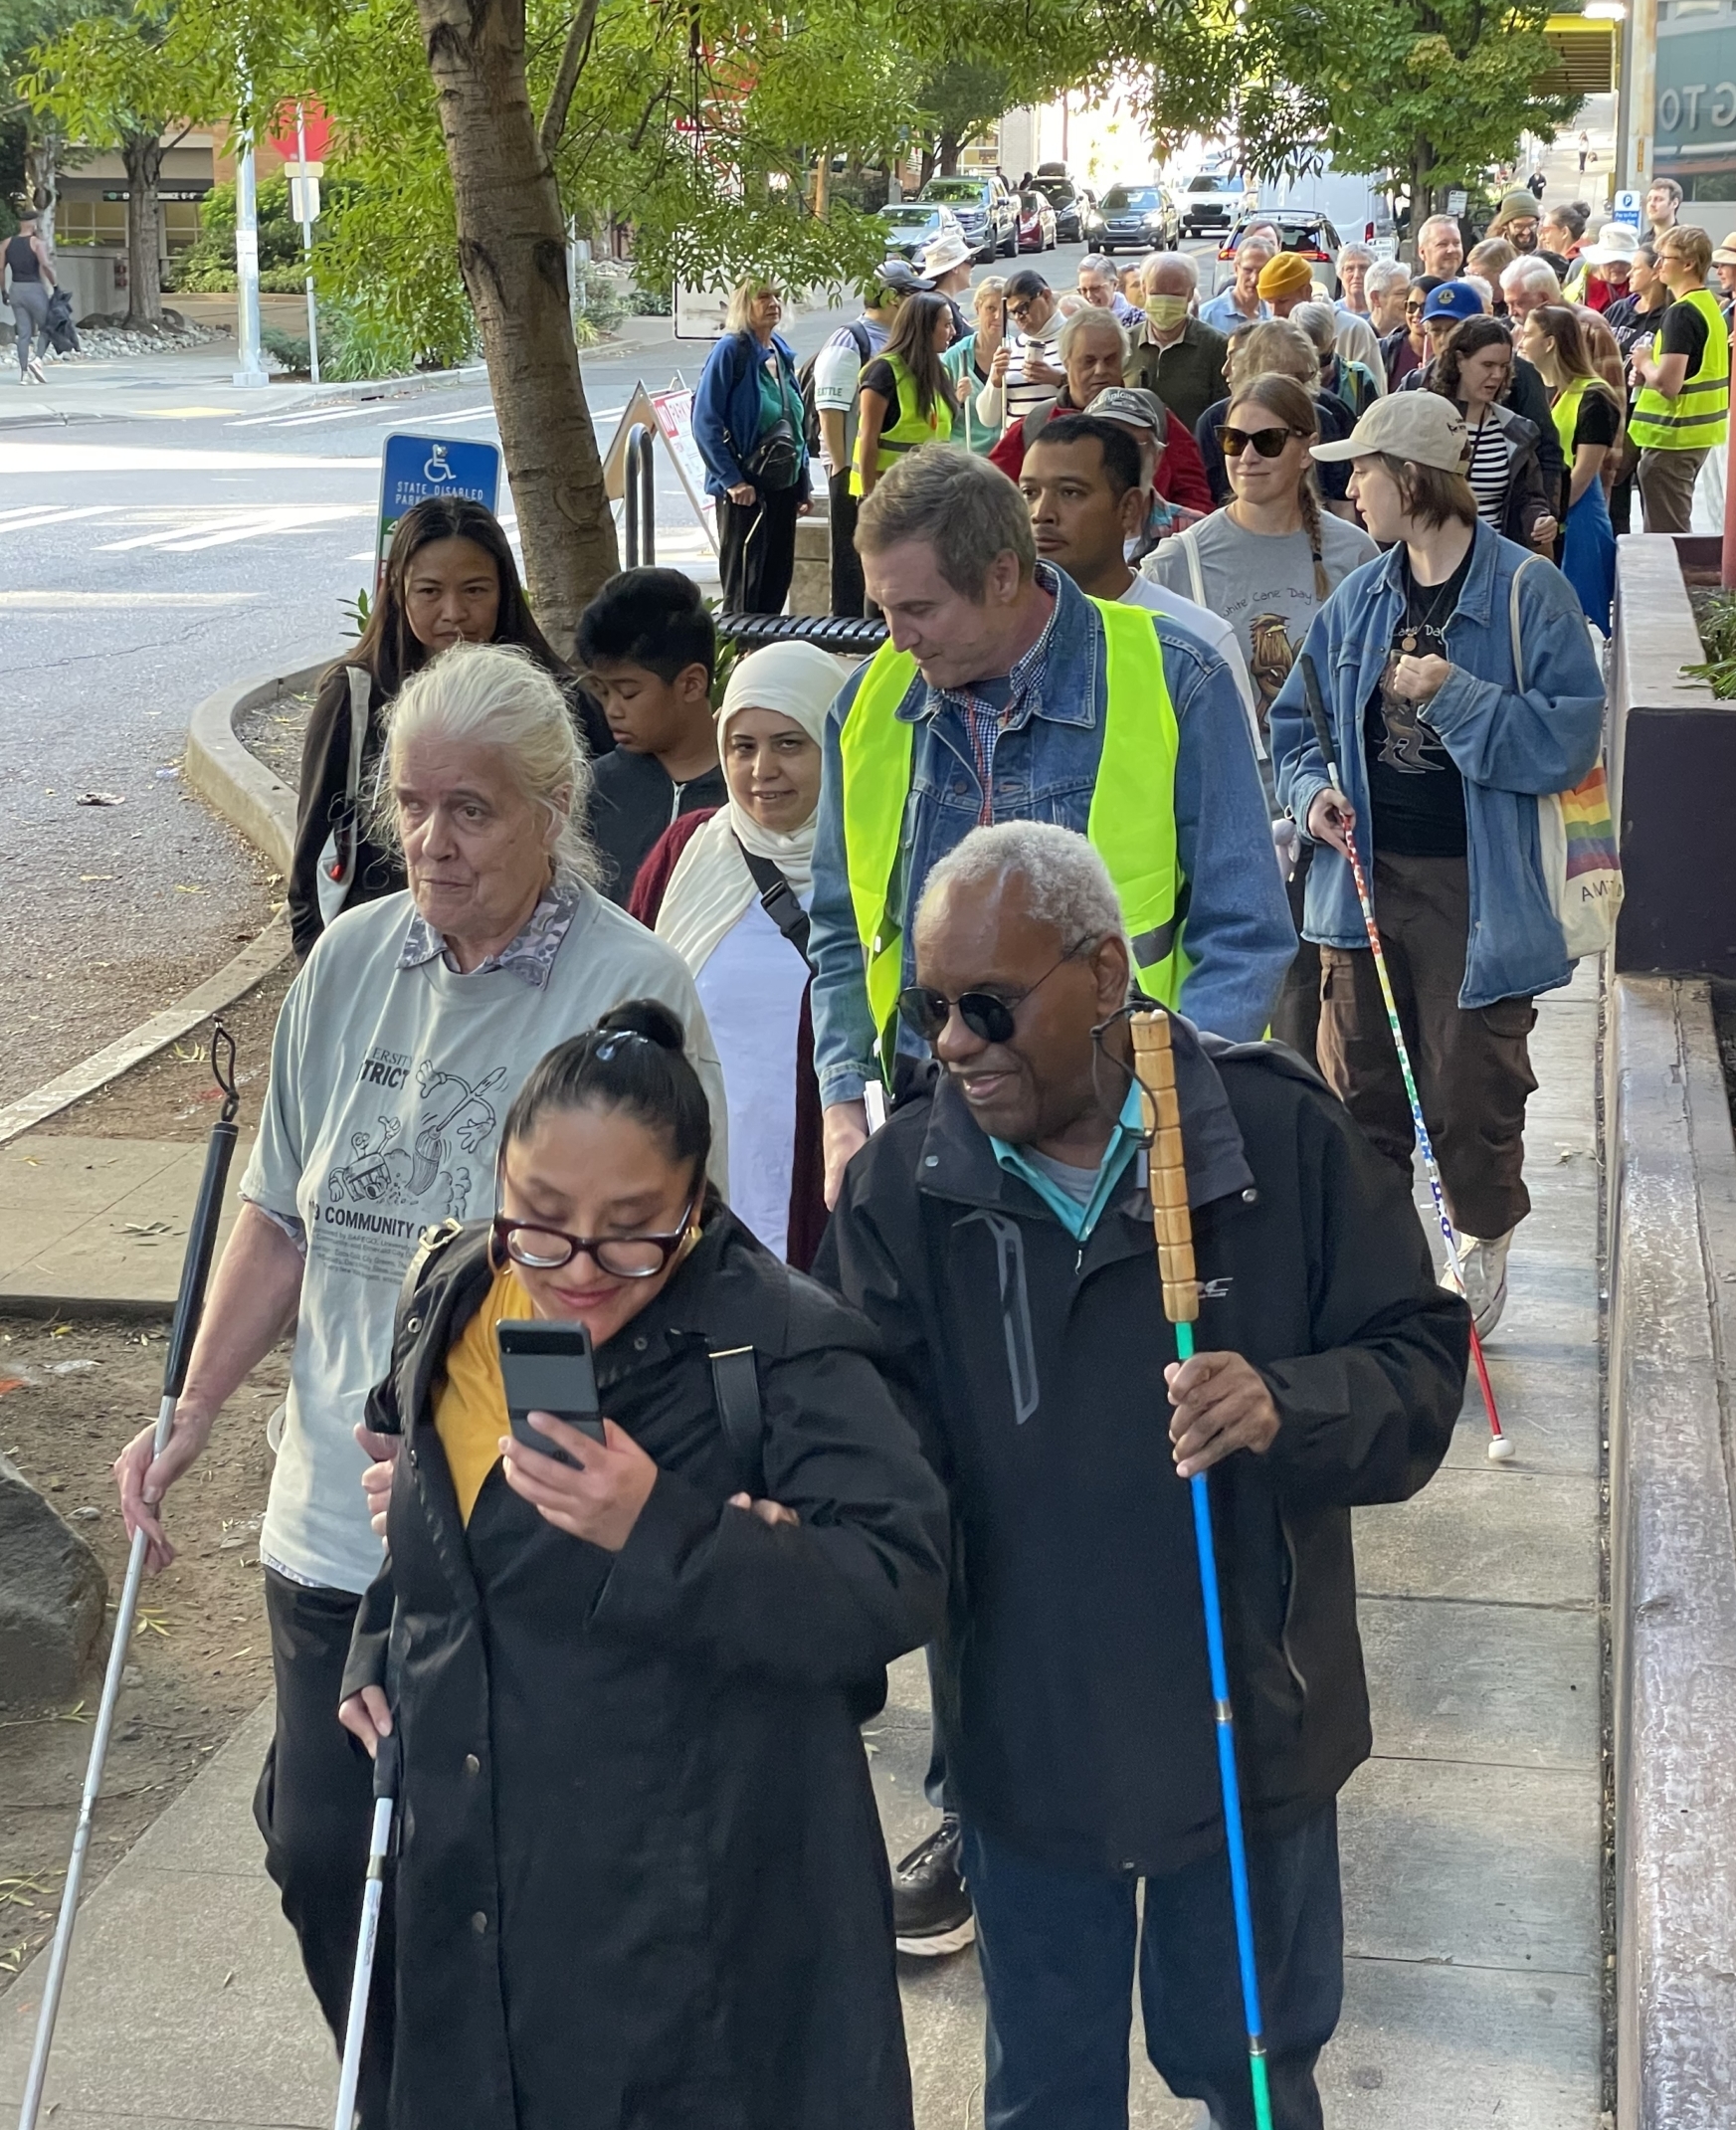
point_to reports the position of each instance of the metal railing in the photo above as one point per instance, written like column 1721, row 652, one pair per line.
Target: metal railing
column 639, row 480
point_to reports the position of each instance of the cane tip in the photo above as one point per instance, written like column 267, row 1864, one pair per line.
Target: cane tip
column 1501, row 1450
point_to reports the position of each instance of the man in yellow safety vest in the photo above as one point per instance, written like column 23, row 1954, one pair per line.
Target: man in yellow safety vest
column 1683, row 408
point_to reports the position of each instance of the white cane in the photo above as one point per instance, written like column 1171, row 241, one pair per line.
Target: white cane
column 373, row 1892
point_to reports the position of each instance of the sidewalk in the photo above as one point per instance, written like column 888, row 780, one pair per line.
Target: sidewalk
column 1472, row 1841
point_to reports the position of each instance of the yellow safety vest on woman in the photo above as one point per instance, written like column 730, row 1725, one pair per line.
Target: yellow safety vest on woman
column 911, row 431
column 1565, row 412
column 1131, row 820
column 1699, row 415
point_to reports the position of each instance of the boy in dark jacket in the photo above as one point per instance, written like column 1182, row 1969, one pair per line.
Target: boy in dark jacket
column 999, row 1236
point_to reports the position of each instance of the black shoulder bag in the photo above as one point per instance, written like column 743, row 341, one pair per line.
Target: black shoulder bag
column 778, row 900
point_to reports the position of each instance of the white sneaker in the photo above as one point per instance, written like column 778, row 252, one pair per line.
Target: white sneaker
column 1482, row 1278
column 37, row 371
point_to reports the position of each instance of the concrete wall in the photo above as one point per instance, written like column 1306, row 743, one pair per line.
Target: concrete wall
column 1670, row 1243
column 1673, row 760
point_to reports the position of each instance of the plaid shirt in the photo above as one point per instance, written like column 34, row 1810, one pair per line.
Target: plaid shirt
column 529, row 955
column 985, row 721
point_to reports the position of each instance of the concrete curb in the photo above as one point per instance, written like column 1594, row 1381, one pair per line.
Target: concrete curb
column 1672, row 1247
column 263, row 807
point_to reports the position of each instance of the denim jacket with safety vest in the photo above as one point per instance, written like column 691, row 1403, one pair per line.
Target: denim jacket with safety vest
column 1238, row 933
column 1510, row 748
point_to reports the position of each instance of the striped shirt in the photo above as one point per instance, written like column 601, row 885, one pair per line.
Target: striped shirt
column 1490, row 472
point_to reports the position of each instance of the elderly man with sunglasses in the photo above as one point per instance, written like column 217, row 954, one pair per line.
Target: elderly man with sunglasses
column 999, row 1235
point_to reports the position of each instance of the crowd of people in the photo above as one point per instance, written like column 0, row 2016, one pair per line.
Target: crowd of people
column 777, row 1004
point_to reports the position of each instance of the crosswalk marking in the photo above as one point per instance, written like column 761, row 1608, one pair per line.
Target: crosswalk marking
column 242, row 522
column 45, row 514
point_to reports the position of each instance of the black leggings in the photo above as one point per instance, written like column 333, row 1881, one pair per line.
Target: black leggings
column 314, row 1805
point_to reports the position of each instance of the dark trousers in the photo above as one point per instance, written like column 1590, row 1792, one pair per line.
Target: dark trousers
column 1060, row 1951
column 1474, row 1068
column 848, row 594
column 1622, row 492
column 314, row 1805
column 756, row 550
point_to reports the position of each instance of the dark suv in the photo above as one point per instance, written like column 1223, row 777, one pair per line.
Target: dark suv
column 987, row 212
column 1077, row 220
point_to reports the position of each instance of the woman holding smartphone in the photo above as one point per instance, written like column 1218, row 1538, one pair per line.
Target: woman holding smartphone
column 643, row 1880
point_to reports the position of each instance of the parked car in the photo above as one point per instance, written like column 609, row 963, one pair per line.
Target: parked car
column 987, row 212
column 1076, row 212
column 1035, row 223
column 1138, row 218
column 1212, row 200
column 911, row 226
column 1309, row 235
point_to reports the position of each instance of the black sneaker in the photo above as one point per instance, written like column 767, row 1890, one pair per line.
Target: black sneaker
column 931, row 1910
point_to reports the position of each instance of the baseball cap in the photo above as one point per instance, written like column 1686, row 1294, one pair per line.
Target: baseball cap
column 1134, row 405
column 1453, row 299
column 1421, row 426
column 898, row 273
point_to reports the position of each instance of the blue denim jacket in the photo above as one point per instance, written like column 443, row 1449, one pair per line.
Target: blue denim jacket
column 1510, row 748
column 1238, row 933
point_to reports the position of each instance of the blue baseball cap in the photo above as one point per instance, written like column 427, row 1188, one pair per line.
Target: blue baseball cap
column 1453, row 299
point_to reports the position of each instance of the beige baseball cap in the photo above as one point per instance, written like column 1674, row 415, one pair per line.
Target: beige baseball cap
column 1421, row 426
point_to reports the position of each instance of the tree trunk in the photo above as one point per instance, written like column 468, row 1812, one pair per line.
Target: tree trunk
column 142, row 155
column 929, row 159
column 41, row 172
column 950, row 144
column 512, row 251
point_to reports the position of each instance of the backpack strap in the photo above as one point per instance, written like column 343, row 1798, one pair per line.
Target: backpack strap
column 1196, row 578
column 347, row 835
column 778, row 900
column 736, row 1387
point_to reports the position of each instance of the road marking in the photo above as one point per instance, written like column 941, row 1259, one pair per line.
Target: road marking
column 295, row 415
column 140, row 458
column 243, row 521
column 46, row 514
column 56, row 602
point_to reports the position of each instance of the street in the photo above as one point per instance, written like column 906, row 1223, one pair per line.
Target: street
column 161, row 540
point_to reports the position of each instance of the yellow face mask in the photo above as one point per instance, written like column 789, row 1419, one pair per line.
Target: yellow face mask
column 1166, row 311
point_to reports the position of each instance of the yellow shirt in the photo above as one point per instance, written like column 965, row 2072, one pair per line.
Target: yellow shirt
column 469, row 1406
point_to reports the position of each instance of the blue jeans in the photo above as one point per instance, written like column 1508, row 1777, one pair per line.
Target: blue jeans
column 1060, row 1950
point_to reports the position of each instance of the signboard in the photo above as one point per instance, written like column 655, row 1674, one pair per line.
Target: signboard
column 1627, row 208
column 1696, row 104
column 414, row 468
column 700, row 312
column 1455, row 202
column 303, row 190
column 669, row 415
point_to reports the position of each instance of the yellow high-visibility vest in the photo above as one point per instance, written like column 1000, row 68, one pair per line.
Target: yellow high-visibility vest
column 1699, row 415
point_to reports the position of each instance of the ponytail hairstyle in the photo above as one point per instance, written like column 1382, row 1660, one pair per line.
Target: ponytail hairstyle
column 634, row 1061
column 1294, row 406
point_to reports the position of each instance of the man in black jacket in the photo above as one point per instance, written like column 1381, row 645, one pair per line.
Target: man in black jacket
column 999, row 1236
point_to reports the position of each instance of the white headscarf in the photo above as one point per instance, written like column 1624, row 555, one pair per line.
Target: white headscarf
column 711, row 885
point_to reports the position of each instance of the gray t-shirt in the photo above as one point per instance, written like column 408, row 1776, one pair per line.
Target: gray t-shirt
column 388, row 1089
column 1261, row 584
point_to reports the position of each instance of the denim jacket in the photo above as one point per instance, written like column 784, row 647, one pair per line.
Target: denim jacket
column 1510, row 748
column 1238, row 933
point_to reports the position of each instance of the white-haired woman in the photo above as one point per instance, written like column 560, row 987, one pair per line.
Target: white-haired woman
column 729, row 890
column 400, row 1046
column 750, row 423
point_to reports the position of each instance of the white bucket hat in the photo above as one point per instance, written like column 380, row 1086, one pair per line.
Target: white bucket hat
column 1616, row 243
column 944, row 254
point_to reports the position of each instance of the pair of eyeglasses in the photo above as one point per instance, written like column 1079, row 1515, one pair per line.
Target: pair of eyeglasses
column 1269, row 443
column 988, row 1016
column 623, row 1256
column 1019, row 312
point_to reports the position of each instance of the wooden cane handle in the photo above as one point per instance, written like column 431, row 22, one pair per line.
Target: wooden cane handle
column 1154, row 1068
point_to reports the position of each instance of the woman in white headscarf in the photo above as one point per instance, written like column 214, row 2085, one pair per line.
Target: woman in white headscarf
column 728, row 890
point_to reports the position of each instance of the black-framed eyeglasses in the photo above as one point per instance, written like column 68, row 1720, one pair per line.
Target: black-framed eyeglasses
column 1269, row 443
column 542, row 1248
column 986, row 1014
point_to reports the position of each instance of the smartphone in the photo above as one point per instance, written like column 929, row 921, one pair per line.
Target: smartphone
column 547, row 1368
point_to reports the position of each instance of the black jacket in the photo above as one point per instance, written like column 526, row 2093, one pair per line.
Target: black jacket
column 643, row 1884
column 1072, row 1686
column 324, row 781
column 633, row 800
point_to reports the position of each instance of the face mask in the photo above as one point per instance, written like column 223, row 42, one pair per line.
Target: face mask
column 1166, row 310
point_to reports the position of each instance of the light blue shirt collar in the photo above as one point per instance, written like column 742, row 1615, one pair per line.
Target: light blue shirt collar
column 1078, row 1219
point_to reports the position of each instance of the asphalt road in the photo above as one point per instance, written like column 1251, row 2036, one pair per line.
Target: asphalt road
column 172, row 536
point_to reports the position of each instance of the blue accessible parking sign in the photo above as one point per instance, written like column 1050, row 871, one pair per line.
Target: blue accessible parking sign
column 415, row 468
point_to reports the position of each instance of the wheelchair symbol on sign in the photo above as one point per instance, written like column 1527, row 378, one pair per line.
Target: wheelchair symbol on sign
column 436, row 469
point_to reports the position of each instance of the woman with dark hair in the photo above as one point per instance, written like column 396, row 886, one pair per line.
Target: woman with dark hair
column 450, row 578
column 1473, row 370
column 906, row 396
column 1588, row 418
column 626, row 1673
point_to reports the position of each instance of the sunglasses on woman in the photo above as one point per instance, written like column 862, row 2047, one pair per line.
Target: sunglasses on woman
column 988, row 1016
column 1269, row 443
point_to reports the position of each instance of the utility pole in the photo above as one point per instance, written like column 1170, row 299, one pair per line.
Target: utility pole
column 305, row 187
column 247, row 269
column 1640, row 97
